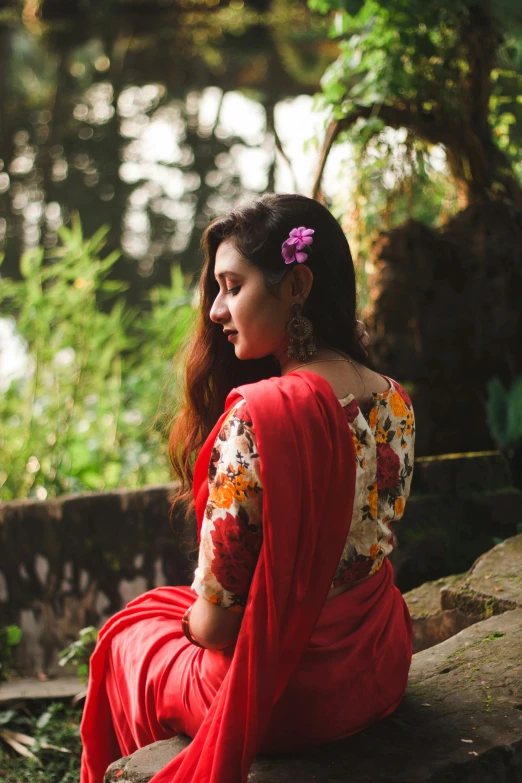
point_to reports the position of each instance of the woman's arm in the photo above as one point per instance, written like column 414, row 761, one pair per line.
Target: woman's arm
column 212, row 626
column 231, row 534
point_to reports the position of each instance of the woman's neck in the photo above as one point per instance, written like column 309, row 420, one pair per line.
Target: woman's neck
column 327, row 355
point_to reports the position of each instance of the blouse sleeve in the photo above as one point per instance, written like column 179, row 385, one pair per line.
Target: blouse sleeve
column 231, row 533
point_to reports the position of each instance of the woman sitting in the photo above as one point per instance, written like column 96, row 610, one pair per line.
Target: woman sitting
column 293, row 633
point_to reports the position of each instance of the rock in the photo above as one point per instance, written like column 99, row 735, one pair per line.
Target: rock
column 493, row 584
column 432, row 624
column 460, row 722
column 445, row 607
column 142, row 765
column 444, row 534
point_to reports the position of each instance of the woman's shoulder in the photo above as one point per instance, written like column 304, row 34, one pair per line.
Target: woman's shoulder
column 396, row 388
column 238, row 414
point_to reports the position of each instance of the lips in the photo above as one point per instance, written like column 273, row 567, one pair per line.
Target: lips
column 229, row 332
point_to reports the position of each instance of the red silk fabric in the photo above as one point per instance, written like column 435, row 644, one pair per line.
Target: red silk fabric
column 308, row 474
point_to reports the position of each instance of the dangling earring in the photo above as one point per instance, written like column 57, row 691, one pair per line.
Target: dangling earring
column 300, row 330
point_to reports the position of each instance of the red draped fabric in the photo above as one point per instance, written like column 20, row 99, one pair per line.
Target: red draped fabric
column 344, row 661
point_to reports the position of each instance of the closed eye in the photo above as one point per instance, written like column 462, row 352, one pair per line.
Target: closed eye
column 233, row 291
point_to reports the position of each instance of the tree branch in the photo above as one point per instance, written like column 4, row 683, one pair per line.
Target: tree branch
column 424, row 124
column 332, row 132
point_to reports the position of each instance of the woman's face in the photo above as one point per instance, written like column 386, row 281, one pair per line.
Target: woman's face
column 244, row 305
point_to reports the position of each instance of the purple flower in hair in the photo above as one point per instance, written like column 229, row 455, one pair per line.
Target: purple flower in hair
column 298, row 241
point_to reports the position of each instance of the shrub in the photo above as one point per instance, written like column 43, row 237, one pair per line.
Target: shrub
column 89, row 413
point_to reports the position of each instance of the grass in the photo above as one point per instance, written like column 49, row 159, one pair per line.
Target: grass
column 52, row 723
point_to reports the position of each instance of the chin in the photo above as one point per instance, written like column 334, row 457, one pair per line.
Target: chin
column 244, row 354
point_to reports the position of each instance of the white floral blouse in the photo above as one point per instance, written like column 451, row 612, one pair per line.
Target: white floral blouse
column 231, row 533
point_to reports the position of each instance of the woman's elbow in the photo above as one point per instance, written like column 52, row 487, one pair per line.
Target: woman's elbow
column 213, row 627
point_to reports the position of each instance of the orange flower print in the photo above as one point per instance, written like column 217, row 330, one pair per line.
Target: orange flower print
column 381, row 436
column 372, row 419
column 373, row 500
column 222, row 493
column 397, row 405
column 215, row 599
column 374, row 551
column 357, row 445
column 398, row 432
column 409, row 423
column 399, row 506
column 377, row 565
column 241, row 487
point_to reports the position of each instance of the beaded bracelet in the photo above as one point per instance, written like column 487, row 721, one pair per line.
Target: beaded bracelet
column 185, row 627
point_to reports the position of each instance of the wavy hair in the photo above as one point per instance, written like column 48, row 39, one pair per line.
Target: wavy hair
column 212, row 370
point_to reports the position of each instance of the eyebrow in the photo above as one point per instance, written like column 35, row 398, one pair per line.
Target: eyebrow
column 227, row 273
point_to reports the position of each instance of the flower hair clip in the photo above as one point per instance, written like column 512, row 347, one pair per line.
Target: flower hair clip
column 298, row 241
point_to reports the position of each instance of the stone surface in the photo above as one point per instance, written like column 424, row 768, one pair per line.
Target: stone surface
column 442, row 534
column 493, row 585
column 460, row 722
column 424, row 601
column 432, row 624
column 73, row 561
column 450, row 474
column 32, row 688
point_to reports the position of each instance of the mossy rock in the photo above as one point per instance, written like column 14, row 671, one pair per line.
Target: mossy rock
column 431, row 623
column 492, row 586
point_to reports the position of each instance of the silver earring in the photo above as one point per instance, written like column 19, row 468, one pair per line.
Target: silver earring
column 301, row 332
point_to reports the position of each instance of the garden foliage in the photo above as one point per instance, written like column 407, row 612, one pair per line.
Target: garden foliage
column 446, row 77
column 40, row 743
column 91, row 410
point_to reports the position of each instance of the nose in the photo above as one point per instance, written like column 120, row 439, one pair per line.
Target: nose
column 219, row 310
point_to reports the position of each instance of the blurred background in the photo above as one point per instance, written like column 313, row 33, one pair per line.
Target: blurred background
column 127, row 125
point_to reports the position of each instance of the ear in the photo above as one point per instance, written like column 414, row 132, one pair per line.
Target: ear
column 302, row 281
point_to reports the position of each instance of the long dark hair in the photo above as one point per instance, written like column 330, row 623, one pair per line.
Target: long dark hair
column 258, row 230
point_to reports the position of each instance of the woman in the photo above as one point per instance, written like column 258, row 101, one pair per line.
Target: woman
column 297, row 635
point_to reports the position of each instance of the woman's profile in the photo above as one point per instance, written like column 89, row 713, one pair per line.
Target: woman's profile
column 293, row 633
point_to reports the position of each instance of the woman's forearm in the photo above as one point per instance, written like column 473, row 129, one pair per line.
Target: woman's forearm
column 213, row 627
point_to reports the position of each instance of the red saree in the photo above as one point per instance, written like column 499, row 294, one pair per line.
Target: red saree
column 303, row 669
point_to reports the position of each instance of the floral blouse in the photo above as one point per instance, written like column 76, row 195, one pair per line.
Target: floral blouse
column 231, row 533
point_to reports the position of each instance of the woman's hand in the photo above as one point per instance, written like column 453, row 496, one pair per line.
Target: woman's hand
column 362, row 335
column 213, row 627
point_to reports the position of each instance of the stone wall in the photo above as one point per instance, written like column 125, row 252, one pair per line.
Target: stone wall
column 460, row 507
column 74, row 561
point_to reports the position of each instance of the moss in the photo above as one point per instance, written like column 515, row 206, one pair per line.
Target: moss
column 492, row 606
column 495, row 635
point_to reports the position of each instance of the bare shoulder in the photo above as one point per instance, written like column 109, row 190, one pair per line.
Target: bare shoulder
column 375, row 382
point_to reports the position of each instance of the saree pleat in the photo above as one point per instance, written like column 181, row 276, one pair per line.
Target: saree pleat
column 303, row 669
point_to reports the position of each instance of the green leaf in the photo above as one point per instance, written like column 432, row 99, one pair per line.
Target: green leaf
column 31, row 262
column 82, row 670
column 44, row 719
column 14, row 635
column 6, row 716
